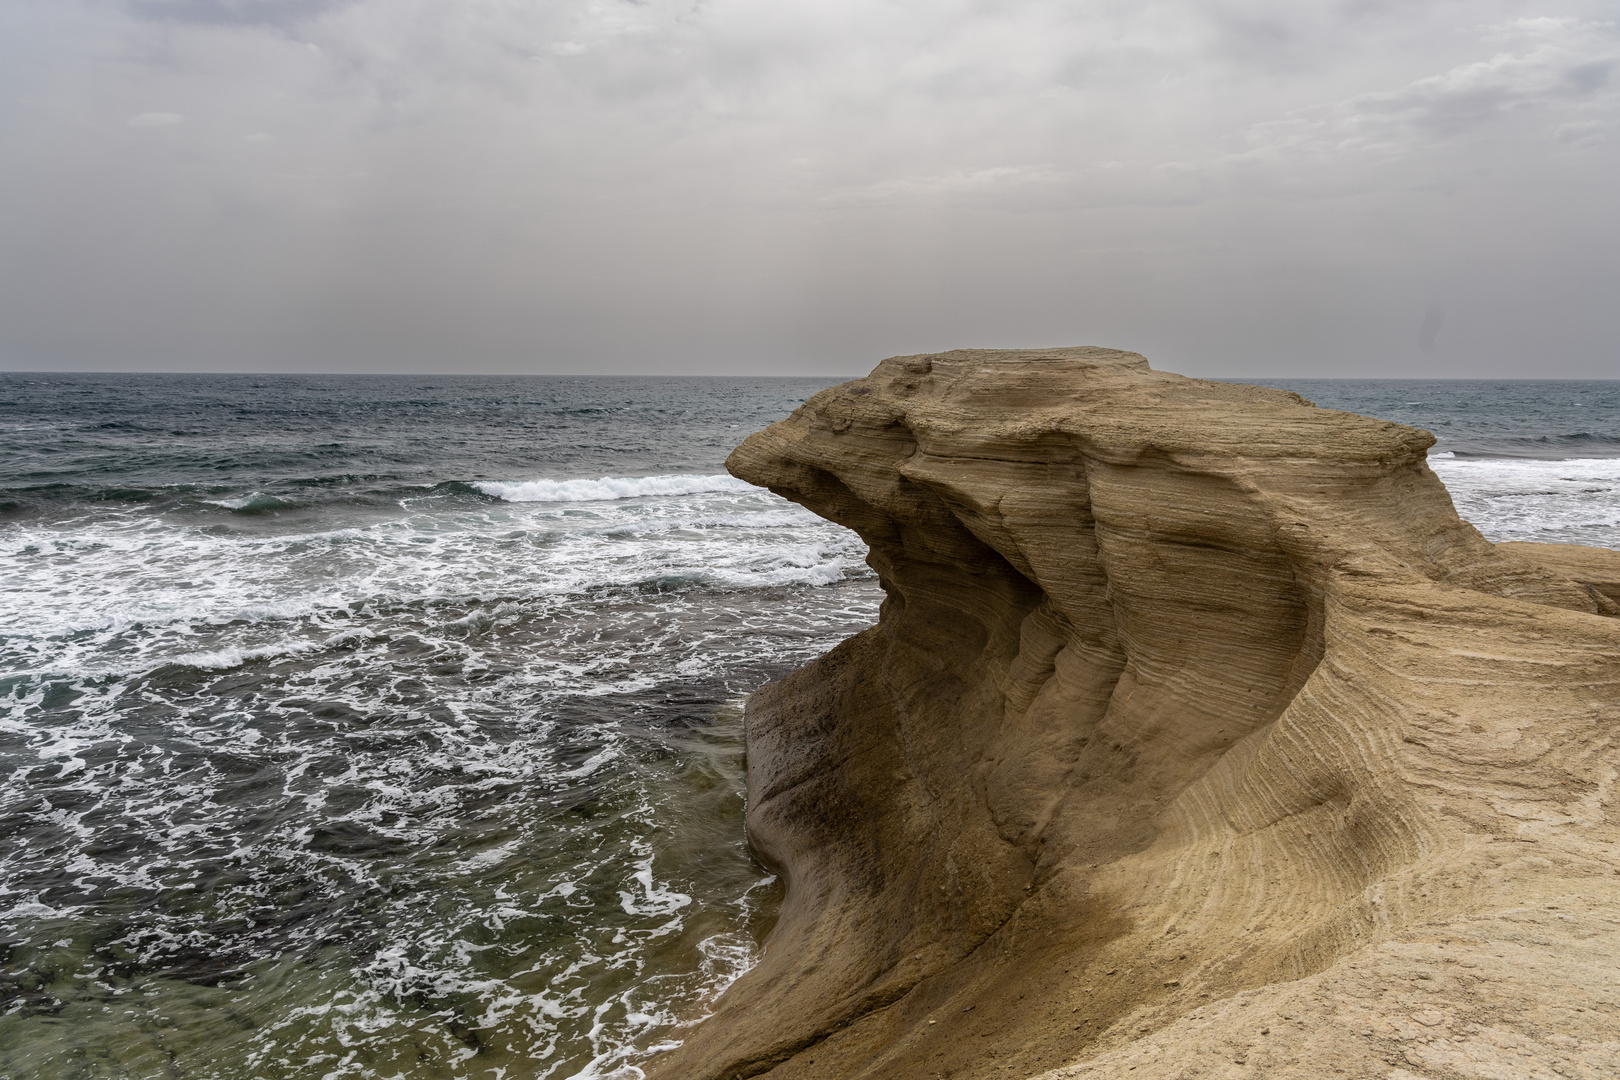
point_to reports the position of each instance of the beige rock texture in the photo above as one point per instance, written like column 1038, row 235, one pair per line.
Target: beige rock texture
column 1596, row 568
column 1198, row 737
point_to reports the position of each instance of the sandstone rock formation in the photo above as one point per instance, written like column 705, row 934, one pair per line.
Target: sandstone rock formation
column 1198, row 737
column 1596, row 568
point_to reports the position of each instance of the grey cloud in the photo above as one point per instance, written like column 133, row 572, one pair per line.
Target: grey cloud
column 1540, row 75
column 778, row 184
column 1586, row 78
column 281, row 13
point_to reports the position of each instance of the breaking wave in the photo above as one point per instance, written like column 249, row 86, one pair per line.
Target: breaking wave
column 609, row 488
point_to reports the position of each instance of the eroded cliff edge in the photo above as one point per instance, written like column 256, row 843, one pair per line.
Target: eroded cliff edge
column 1198, row 736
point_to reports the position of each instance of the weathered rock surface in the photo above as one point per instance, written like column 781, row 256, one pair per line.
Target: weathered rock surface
column 1596, row 568
column 1198, row 737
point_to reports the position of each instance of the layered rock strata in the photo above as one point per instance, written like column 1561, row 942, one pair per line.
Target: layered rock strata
column 1198, row 737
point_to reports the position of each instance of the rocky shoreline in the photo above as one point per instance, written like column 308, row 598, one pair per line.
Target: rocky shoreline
column 1198, row 737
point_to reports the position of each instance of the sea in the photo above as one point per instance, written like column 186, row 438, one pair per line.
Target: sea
column 390, row 727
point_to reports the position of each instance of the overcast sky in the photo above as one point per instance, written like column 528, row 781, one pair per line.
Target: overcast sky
column 1236, row 187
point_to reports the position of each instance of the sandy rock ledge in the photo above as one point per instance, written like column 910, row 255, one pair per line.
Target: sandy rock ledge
column 1198, row 738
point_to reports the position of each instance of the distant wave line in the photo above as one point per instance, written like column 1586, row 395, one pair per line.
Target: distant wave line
column 609, row 488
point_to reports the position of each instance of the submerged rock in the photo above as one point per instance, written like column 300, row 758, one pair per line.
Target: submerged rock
column 1198, row 736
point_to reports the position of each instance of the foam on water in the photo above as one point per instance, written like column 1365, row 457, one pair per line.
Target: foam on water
column 456, row 838
column 1572, row 501
column 609, row 487
column 427, row 786
column 100, row 596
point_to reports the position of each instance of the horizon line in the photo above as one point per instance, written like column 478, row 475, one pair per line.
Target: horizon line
column 737, row 375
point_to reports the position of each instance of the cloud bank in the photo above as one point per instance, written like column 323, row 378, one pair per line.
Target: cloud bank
column 774, row 186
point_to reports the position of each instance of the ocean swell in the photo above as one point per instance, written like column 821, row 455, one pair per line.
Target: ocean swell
column 608, row 488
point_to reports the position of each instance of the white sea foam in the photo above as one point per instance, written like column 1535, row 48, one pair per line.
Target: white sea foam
column 399, row 680
column 609, row 488
column 1573, row 501
column 119, row 594
column 454, row 780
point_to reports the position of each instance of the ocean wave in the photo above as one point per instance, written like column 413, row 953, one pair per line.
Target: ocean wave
column 1562, row 500
column 428, row 776
column 610, row 488
column 255, row 503
column 107, row 598
column 1571, row 470
column 1573, row 445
